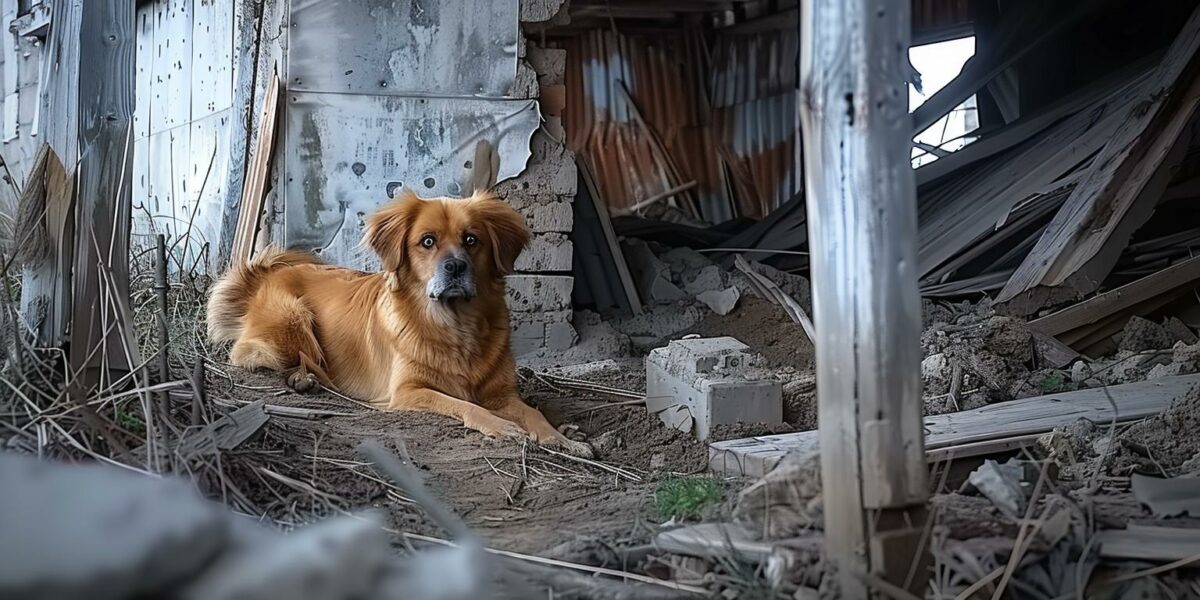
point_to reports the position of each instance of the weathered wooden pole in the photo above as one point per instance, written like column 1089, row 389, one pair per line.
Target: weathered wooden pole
column 863, row 233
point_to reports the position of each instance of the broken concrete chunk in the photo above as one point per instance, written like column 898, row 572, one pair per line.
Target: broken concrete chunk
column 1142, row 334
column 696, row 384
column 704, row 280
column 786, row 501
column 685, row 261
column 651, row 276
column 1002, row 484
column 721, row 302
column 338, row 558
column 89, row 531
column 1178, row 331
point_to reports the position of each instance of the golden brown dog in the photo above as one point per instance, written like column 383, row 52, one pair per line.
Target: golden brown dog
column 430, row 332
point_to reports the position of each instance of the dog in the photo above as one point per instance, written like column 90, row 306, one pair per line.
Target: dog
column 429, row 332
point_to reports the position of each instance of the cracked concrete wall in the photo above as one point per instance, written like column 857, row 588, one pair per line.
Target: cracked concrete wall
column 540, row 292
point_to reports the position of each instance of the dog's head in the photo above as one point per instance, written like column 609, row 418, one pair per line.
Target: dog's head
column 450, row 247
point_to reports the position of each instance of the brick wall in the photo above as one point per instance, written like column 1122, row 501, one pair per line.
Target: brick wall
column 540, row 291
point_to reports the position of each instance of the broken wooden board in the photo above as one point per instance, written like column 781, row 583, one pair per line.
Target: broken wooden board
column 719, row 540
column 1146, row 542
column 1109, row 202
column 254, row 188
column 1119, row 300
column 226, row 433
column 969, row 433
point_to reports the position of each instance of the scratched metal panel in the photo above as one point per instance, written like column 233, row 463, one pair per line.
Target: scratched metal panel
column 212, row 57
column 346, row 153
column 208, row 160
column 167, row 180
column 171, row 96
column 139, row 184
column 143, row 69
column 404, row 47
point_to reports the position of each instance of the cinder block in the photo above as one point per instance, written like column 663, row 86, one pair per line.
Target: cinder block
column 539, row 293
column 546, row 252
column 535, row 330
column 546, row 213
column 695, row 385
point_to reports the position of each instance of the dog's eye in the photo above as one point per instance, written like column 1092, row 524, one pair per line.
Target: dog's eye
column 470, row 239
column 428, row 241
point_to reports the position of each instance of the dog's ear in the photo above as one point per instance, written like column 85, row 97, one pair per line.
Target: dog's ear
column 387, row 229
column 506, row 230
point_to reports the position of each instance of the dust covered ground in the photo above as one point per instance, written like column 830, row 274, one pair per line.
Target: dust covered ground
column 518, row 497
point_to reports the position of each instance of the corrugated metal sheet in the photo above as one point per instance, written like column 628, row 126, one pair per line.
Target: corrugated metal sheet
column 347, row 153
column 408, row 47
column 737, row 140
column 637, row 115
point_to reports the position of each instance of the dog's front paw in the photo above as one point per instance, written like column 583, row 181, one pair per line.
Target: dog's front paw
column 495, row 427
column 574, row 448
column 303, row 381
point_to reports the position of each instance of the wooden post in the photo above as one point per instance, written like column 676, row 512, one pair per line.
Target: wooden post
column 87, row 105
column 863, row 232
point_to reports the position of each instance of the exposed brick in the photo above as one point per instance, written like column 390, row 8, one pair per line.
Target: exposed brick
column 534, row 330
column 525, row 85
column 538, row 11
column 538, row 293
column 546, row 252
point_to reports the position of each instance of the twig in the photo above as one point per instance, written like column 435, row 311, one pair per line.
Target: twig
column 611, row 469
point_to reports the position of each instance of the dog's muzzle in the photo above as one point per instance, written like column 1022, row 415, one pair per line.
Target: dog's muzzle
column 453, row 279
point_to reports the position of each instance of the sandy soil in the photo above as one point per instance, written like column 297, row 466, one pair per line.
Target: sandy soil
column 518, row 497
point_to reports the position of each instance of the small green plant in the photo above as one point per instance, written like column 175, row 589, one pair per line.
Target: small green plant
column 128, row 419
column 1055, row 383
column 686, row 498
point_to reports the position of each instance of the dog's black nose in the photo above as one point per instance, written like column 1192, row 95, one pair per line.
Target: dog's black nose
column 454, row 266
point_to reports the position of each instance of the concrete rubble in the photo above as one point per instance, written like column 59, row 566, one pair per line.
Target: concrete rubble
column 132, row 536
column 697, row 384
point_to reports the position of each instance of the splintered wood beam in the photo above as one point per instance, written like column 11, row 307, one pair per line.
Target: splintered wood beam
column 254, row 188
column 1177, row 277
column 1125, row 181
column 862, row 225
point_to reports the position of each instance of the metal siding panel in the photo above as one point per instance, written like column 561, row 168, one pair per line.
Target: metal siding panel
column 208, row 161
column 212, row 58
column 168, row 180
column 411, row 47
column 144, row 68
column 344, row 151
column 170, row 100
column 140, row 198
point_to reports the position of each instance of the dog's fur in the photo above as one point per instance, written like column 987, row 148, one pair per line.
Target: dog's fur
column 429, row 333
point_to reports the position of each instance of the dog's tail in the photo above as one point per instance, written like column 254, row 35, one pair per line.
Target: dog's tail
column 228, row 298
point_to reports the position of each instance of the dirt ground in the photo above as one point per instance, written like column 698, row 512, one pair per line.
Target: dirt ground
column 517, row 497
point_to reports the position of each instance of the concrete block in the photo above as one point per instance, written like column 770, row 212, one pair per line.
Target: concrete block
column 535, row 330
column 651, row 276
column 539, row 293
column 546, row 252
column 546, row 213
column 548, row 63
column 697, row 384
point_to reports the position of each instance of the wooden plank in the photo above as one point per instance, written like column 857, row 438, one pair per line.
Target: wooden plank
column 994, row 423
column 861, row 202
column 1100, row 204
column 721, row 540
column 993, row 142
column 256, row 179
column 1100, row 306
column 610, row 240
column 1147, row 542
column 101, row 313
